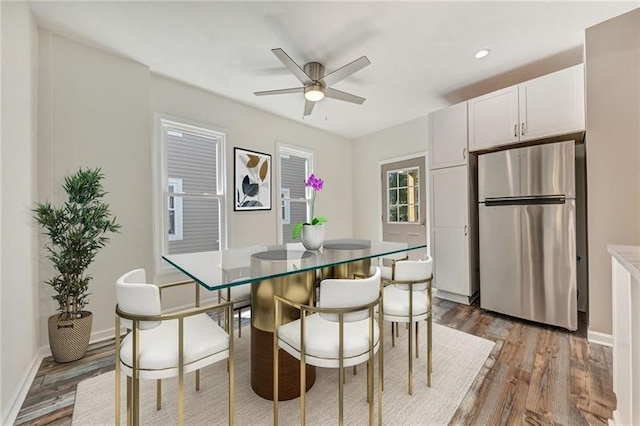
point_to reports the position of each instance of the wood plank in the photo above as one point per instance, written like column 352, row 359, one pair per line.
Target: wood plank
column 535, row 375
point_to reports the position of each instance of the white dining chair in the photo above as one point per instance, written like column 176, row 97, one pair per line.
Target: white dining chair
column 340, row 332
column 163, row 345
column 408, row 299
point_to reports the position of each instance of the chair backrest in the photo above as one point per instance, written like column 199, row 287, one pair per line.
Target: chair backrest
column 135, row 296
column 342, row 293
column 418, row 271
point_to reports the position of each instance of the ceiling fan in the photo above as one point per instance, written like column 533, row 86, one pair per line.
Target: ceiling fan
column 316, row 83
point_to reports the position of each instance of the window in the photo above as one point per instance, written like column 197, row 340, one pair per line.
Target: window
column 295, row 167
column 285, row 195
column 403, row 197
column 192, row 187
column 174, row 192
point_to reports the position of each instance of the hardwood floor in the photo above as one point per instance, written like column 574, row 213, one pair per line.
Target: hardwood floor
column 535, row 375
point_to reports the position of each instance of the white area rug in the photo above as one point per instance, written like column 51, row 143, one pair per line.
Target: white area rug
column 457, row 359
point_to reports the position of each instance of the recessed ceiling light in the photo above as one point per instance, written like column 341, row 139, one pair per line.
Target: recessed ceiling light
column 483, row 53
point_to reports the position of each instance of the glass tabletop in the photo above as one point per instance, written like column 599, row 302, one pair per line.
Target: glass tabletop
column 227, row 268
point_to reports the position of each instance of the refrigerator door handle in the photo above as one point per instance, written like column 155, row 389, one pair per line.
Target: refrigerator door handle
column 520, row 201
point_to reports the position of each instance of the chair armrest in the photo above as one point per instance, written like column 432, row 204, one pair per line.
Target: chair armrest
column 174, row 284
column 174, row 315
column 318, row 309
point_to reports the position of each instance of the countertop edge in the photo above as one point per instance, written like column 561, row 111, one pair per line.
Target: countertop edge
column 628, row 256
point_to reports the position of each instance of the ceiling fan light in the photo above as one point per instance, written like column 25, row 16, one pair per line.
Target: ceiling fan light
column 313, row 93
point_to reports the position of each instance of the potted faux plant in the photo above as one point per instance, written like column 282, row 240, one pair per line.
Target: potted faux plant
column 312, row 232
column 76, row 231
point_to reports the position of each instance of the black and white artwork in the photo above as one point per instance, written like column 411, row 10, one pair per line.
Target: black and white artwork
column 252, row 171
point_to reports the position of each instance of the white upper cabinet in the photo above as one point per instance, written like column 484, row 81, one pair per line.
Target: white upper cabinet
column 493, row 119
column 547, row 106
column 552, row 104
column 448, row 136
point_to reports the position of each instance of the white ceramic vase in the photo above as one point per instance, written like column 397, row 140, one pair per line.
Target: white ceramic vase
column 312, row 236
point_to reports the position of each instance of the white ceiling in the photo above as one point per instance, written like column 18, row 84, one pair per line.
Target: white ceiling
column 421, row 52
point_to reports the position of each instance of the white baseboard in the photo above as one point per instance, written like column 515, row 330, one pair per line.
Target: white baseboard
column 454, row 297
column 18, row 398
column 600, row 338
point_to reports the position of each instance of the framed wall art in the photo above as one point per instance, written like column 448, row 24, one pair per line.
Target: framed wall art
column 252, row 179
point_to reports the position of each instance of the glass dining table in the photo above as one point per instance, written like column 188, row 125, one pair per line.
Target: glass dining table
column 289, row 271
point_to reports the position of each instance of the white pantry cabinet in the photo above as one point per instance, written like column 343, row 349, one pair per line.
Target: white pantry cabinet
column 452, row 231
column 547, row 106
column 448, row 136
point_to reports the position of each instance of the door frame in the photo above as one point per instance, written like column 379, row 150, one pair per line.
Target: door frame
column 381, row 163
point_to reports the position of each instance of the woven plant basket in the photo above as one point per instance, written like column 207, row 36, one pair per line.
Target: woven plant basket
column 69, row 338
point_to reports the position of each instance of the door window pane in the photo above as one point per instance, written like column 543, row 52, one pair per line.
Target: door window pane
column 403, row 197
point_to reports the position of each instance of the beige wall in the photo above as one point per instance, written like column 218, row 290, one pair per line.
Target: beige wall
column 18, row 283
column 247, row 127
column 368, row 152
column 613, row 152
column 96, row 110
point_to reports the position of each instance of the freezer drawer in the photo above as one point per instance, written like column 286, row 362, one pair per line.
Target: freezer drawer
column 528, row 262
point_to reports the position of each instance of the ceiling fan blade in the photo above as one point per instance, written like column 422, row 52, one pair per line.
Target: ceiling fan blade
column 308, row 107
column 293, row 67
column 344, row 72
column 280, row 91
column 343, row 96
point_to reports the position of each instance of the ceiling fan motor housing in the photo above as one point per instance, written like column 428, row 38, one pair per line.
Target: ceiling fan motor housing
column 314, row 70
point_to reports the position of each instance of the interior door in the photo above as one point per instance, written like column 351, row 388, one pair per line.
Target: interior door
column 404, row 203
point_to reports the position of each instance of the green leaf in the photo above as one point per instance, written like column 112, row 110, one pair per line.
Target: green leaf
column 317, row 220
column 296, row 230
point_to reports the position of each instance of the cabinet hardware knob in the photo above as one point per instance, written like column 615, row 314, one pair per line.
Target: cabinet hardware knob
column 464, row 153
column 465, row 230
column 522, row 128
column 515, row 130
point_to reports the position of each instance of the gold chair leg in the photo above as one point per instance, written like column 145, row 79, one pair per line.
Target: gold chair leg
column 276, row 361
column 117, row 372
column 129, row 401
column 231, row 368
column 136, row 401
column 417, row 343
column 239, row 323
column 393, row 334
column 429, row 350
column 158, row 394
column 410, row 340
column 197, row 380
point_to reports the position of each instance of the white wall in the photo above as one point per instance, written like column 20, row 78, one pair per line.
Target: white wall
column 247, row 127
column 613, row 152
column 368, row 151
column 18, row 285
column 94, row 112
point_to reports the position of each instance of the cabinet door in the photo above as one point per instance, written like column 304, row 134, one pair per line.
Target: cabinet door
column 450, row 220
column 448, row 136
column 493, row 119
column 451, row 260
column 553, row 104
column 449, row 197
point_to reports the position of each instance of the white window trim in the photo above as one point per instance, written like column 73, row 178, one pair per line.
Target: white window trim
column 159, row 167
column 175, row 193
column 282, row 148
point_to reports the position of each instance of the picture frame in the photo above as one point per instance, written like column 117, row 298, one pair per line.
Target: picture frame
column 252, row 180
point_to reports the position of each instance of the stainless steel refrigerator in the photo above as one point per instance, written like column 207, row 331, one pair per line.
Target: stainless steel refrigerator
column 527, row 233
